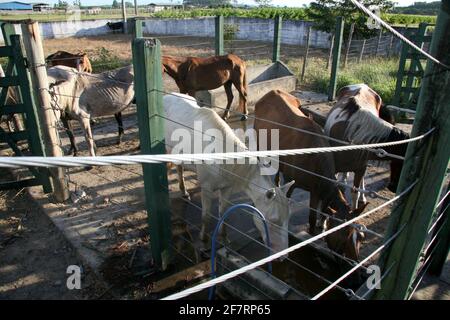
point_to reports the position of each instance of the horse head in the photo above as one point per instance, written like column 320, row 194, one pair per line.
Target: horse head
column 275, row 206
column 347, row 240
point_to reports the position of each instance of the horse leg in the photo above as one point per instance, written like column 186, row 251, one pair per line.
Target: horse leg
column 84, row 120
column 358, row 182
column 207, row 197
column 315, row 204
column 181, row 183
column 277, row 178
column 69, row 131
column 229, row 93
column 224, row 195
column 118, row 117
column 241, row 88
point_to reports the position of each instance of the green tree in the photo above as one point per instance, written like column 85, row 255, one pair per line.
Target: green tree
column 325, row 12
column 115, row 4
column 77, row 3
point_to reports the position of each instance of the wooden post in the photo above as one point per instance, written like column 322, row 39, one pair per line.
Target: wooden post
column 277, row 38
column 362, row 51
column 124, row 17
column 349, row 42
column 148, row 88
column 336, row 57
column 305, row 58
column 380, row 33
column 427, row 161
column 219, row 36
column 330, row 54
column 36, row 59
column 135, row 8
column 138, row 33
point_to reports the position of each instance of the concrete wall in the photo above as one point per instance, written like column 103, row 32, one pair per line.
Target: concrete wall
column 293, row 32
column 65, row 29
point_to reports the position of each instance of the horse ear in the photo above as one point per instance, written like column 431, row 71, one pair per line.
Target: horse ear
column 285, row 188
column 359, row 210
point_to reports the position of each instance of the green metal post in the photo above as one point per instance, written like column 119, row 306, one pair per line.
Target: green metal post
column 278, row 24
column 219, row 36
column 336, row 57
column 442, row 232
column 427, row 161
column 138, row 28
column 148, row 88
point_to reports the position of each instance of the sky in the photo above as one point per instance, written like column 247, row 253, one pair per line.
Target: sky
column 289, row 3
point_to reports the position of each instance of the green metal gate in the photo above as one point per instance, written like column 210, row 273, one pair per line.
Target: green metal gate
column 411, row 69
column 17, row 76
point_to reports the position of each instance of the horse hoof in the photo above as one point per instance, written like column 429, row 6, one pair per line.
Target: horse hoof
column 244, row 117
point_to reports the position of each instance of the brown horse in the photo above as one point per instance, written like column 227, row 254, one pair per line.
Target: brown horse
column 284, row 114
column 357, row 117
column 193, row 74
column 79, row 61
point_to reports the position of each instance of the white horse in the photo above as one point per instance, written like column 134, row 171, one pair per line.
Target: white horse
column 83, row 96
column 182, row 116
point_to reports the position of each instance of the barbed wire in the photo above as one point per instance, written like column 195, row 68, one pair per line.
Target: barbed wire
column 281, row 253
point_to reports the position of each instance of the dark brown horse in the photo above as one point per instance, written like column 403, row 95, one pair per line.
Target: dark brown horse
column 193, row 74
column 280, row 107
column 357, row 117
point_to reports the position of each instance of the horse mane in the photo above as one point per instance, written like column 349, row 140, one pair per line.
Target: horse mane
column 366, row 127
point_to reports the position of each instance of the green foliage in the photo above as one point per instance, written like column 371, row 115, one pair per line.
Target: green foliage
column 418, row 8
column 325, row 12
column 106, row 60
column 378, row 73
column 262, row 12
column 407, row 19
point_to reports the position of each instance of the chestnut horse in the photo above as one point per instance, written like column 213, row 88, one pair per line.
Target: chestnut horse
column 356, row 118
column 79, row 61
column 192, row 74
column 283, row 112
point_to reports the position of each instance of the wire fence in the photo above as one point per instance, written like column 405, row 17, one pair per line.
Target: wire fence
column 379, row 46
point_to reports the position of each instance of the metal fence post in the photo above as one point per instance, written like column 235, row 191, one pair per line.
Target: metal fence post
column 148, row 88
column 426, row 160
column 380, row 34
column 305, row 58
column 219, row 37
column 363, row 46
column 349, row 43
column 138, row 33
column 336, row 57
column 277, row 38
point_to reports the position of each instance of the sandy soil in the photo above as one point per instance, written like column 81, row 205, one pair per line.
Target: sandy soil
column 34, row 254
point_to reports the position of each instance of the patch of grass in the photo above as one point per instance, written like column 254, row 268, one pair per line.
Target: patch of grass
column 105, row 60
column 377, row 73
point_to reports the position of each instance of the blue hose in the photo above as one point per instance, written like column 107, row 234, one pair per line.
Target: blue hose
column 216, row 231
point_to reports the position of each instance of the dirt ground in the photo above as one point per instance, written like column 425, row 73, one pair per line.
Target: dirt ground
column 34, row 254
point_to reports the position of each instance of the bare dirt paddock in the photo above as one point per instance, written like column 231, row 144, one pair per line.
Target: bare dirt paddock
column 105, row 220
